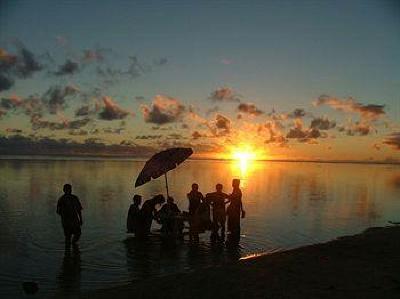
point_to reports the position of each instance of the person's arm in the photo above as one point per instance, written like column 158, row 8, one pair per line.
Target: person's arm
column 58, row 211
column 79, row 210
column 241, row 207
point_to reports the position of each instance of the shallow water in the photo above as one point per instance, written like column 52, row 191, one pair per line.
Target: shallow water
column 287, row 205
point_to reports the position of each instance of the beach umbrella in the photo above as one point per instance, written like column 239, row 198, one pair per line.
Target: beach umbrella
column 161, row 163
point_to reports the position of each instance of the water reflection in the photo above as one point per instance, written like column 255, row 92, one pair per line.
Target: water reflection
column 287, row 205
column 69, row 277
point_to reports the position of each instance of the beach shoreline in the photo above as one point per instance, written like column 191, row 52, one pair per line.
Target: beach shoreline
column 365, row 265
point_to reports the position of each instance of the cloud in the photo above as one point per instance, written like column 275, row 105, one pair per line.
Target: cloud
column 160, row 61
column 10, row 103
column 197, row 135
column 297, row 113
column 249, row 108
column 5, row 82
column 90, row 55
column 224, row 94
column 26, row 63
column 38, row 123
column 163, row 110
column 17, row 144
column 111, row 110
column 146, row 137
column 82, row 111
column 322, row 123
column 68, row 68
column 367, row 112
column 357, row 128
column 55, row 97
column 221, row 126
column 303, row 134
column 393, row 140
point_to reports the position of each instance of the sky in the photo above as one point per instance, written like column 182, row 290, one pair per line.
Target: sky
column 312, row 80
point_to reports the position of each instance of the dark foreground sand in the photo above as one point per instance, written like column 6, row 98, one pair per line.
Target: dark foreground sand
column 361, row 266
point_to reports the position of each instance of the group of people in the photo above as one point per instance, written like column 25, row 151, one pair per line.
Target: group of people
column 224, row 208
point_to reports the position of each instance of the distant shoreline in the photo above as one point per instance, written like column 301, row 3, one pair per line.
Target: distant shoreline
column 365, row 265
column 39, row 157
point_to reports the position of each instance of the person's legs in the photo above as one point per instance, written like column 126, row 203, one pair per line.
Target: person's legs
column 67, row 234
column 77, row 234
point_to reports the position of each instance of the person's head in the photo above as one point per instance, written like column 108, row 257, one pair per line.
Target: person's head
column 195, row 187
column 170, row 199
column 137, row 199
column 67, row 189
column 159, row 199
column 235, row 183
column 218, row 187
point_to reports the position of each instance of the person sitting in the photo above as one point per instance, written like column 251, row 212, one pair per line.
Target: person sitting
column 133, row 219
column 217, row 201
column 169, row 217
column 148, row 212
column 195, row 199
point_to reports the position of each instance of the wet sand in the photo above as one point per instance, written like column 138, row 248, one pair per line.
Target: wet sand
column 366, row 265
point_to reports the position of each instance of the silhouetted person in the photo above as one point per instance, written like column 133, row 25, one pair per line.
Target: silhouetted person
column 195, row 199
column 133, row 219
column 235, row 211
column 217, row 201
column 148, row 213
column 70, row 210
column 169, row 216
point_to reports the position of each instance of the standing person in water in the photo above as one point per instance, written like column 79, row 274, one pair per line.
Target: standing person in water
column 217, row 201
column 70, row 210
column 235, row 211
column 133, row 221
column 195, row 199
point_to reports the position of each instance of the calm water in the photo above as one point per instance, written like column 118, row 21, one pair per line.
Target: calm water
column 287, row 205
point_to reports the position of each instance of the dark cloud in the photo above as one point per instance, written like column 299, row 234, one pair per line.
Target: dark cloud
column 68, row 68
column 303, row 134
column 26, row 63
column 78, row 132
column 221, row 126
column 367, row 112
column 297, row 113
column 197, row 135
column 250, row 109
column 38, row 123
column 322, row 123
column 82, row 111
column 5, row 82
column 393, row 140
column 163, row 110
column 13, row 130
column 224, row 94
column 18, row 144
column 56, row 96
column 10, row 103
column 146, row 137
column 111, row 110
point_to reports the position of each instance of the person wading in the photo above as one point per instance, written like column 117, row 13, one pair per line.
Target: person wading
column 70, row 210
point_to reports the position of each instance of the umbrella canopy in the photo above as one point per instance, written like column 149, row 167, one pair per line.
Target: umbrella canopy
column 161, row 163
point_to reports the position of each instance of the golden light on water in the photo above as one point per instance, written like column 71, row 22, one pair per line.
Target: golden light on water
column 244, row 159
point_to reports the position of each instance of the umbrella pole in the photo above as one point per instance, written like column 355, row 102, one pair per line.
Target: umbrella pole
column 166, row 184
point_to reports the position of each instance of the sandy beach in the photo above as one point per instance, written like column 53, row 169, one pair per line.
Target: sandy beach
column 366, row 265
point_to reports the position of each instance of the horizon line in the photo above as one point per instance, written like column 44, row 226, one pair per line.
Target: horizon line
column 39, row 157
